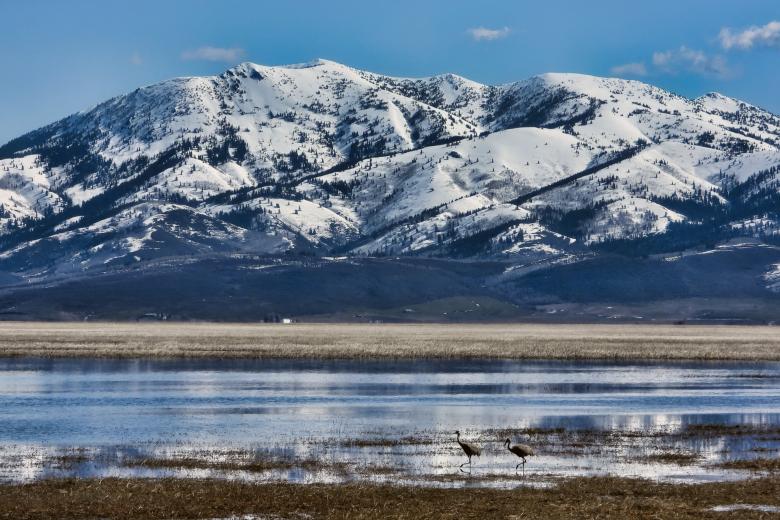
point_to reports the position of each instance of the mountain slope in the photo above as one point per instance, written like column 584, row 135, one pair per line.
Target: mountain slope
column 321, row 159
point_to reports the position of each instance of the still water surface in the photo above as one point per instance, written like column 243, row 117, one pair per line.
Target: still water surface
column 300, row 407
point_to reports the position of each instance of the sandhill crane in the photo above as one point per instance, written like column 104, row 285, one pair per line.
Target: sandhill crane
column 469, row 449
column 521, row 450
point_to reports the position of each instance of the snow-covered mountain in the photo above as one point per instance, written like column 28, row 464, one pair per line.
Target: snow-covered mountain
column 322, row 159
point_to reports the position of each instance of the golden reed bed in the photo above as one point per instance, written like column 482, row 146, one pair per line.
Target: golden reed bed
column 385, row 341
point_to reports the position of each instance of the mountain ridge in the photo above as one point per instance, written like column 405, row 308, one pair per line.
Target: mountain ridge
column 321, row 159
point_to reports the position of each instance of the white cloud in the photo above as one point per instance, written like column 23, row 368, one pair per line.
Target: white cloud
column 690, row 60
column 766, row 35
column 483, row 33
column 136, row 59
column 630, row 69
column 214, row 54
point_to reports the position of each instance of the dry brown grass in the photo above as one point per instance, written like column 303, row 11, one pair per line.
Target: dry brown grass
column 601, row 497
column 371, row 442
column 713, row 430
column 671, row 457
column 759, row 464
column 254, row 465
column 657, row 342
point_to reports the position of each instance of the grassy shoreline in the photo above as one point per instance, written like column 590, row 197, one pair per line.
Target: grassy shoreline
column 388, row 341
column 595, row 497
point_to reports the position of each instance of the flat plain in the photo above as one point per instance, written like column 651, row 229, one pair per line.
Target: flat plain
column 388, row 341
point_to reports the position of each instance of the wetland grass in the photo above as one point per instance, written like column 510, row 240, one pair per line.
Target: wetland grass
column 762, row 464
column 594, row 497
column 388, row 341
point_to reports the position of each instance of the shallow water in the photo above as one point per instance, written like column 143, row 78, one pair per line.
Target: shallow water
column 118, row 409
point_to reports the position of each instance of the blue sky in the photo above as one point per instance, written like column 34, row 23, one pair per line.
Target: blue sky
column 59, row 57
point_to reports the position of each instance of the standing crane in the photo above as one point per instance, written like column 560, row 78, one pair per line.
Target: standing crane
column 521, row 450
column 469, row 449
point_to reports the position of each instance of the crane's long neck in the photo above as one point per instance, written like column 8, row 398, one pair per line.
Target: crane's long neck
column 506, row 443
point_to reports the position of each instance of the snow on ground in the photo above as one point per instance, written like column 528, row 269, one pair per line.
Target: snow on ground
column 772, row 278
column 195, row 180
column 312, row 221
column 630, row 217
column 742, row 166
column 625, row 195
column 714, row 102
column 444, row 228
column 78, row 194
column 501, row 166
column 533, row 241
column 25, row 190
column 272, row 127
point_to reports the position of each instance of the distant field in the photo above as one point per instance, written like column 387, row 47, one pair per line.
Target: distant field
column 659, row 342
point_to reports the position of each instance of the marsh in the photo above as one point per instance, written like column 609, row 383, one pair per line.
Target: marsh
column 335, row 421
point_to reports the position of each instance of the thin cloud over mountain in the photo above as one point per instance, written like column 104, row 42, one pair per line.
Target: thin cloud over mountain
column 756, row 36
column 630, row 69
column 207, row 53
column 686, row 59
column 483, row 33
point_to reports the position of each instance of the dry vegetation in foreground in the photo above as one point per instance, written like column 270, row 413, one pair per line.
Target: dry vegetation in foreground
column 234, row 465
column 760, row 464
column 602, row 497
column 657, row 342
column 671, row 457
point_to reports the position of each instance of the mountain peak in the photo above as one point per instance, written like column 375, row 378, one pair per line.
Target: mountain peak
column 317, row 62
column 326, row 158
column 248, row 66
column 718, row 102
